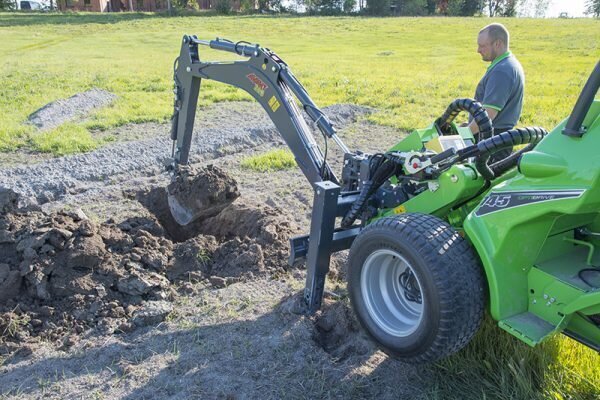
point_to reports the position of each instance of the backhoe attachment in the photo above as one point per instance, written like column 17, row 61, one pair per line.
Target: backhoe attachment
column 269, row 80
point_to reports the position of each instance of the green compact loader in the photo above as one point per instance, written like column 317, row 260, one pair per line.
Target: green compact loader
column 438, row 227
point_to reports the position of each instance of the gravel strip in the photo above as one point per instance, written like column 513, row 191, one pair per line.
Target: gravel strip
column 220, row 129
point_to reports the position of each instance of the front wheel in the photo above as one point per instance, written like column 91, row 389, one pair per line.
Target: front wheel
column 416, row 286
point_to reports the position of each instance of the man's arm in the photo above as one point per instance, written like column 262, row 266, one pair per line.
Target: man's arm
column 473, row 125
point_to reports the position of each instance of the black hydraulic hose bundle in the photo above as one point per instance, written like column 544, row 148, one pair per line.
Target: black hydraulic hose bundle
column 474, row 108
column 508, row 139
column 383, row 172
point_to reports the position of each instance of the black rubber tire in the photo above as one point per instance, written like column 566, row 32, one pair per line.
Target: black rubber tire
column 451, row 279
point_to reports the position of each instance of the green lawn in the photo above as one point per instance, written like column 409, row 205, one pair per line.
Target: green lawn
column 410, row 68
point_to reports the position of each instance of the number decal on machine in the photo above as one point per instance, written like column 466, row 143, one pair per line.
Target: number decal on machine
column 501, row 201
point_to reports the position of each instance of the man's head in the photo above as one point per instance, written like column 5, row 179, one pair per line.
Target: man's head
column 492, row 41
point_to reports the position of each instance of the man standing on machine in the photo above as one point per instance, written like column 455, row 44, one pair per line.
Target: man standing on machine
column 500, row 91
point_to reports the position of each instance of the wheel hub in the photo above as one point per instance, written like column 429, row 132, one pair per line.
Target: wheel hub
column 392, row 292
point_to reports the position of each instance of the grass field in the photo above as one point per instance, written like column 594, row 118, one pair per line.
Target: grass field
column 410, row 68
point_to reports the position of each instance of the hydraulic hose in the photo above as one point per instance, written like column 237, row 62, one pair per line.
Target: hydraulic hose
column 384, row 172
column 475, row 109
column 514, row 137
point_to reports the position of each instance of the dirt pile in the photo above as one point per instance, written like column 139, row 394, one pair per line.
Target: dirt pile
column 62, row 273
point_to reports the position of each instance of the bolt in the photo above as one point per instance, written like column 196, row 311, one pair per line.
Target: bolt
column 534, row 301
column 318, row 192
column 552, row 300
column 548, row 304
column 188, row 69
column 256, row 54
column 454, row 178
column 273, row 68
column 545, row 296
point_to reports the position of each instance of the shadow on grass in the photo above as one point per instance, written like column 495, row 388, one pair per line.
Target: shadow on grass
column 277, row 356
column 274, row 356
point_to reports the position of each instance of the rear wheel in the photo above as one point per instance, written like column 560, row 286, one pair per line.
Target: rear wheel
column 416, row 286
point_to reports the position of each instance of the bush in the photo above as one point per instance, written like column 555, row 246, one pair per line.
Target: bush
column 411, row 7
column 247, row 6
column 456, row 7
column 378, row 7
column 223, row 6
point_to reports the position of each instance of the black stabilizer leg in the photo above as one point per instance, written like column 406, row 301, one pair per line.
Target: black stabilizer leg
column 320, row 242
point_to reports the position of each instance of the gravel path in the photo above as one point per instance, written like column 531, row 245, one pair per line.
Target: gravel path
column 223, row 129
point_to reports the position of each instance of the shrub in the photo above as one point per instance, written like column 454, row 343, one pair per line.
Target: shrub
column 223, row 6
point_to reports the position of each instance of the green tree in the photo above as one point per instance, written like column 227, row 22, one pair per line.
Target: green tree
column 349, row 6
column 455, row 7
column 592, row 7
column 269, row 5
column 223, row 6
column 330, row 7
column 471, row 7
column 7, row 5
column 502, row 8
column 411, row 7
column 378, row 7
column 431, row 6
column 247, row 6
column 509, row 9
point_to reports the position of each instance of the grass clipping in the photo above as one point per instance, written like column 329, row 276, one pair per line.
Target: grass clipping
column 273, row 160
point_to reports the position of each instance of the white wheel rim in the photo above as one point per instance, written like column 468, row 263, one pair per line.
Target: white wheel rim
column 385, row 297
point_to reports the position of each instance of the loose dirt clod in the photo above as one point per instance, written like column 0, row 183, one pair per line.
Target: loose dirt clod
column 200, row 193
column 8, row 200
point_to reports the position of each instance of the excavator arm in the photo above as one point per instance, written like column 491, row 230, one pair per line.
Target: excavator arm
column 269, row 80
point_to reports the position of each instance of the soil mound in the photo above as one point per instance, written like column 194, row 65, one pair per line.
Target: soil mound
column 62, row 273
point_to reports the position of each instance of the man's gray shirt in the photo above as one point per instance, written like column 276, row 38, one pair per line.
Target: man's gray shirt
column 501, row 88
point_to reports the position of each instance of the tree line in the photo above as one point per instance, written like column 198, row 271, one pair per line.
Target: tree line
column 465, row 8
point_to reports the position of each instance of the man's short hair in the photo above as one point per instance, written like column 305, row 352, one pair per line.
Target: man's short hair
column 497, row 32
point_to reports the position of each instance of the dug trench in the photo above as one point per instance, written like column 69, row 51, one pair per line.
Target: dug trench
column 63, row 275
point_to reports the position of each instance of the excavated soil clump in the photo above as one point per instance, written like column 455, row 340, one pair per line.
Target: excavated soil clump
column 200, row 193
column 62, row 273
column 244, row 239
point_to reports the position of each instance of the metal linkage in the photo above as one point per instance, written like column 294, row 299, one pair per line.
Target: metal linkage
column 323, row 240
